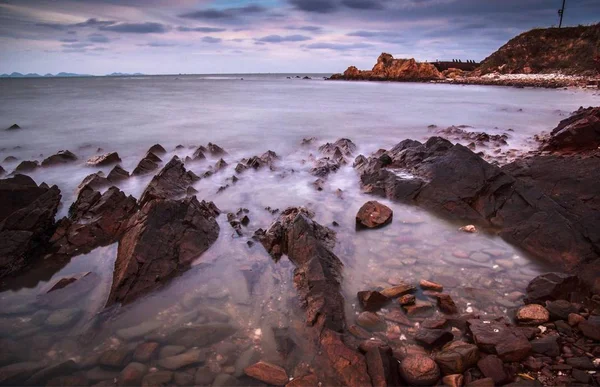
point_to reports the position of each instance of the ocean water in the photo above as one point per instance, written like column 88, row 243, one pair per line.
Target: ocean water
column 250, row 291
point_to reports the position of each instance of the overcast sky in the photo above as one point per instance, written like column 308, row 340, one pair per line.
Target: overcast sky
column 248, row 36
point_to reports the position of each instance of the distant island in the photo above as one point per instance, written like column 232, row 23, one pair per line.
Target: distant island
column 64, row 75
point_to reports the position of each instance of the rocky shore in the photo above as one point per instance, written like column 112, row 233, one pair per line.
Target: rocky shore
column 405, row 331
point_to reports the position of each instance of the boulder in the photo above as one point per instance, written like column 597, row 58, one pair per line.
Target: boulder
column 105, row 159
column 172, row 181
column 591, row 327
column 547, row 346
column 532, row 314
column 157, row 149
column 267, row 159
column 550, row 287
column 94, row 220
column 26, row 221
column 267, row 373
column 560, row 309
column 161, row 241
column 27, row 166
column 373, row 214
column 497, row 338
column 581, row 131
column 62, row 157
column 492, row 367
column 372, row 300
column 457, row 357
column 419, row 370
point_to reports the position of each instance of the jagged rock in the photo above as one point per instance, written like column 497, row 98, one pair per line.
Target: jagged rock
column 267, row 159
column 446, row 304
column 340, row 148
column 389, row 69
column 457, row 357
column 105, row 159
column 94, row 181
column 146, row 165
column 2, row 171
column 372, row 301
column 173, row 180
column 199, row 154
column 62, row 157
column 267, row 373
column 453, row 181
column 532, row 314
column 157, row 149
column 419, row 370
column 94, row 220
column 373, row 215
column 13, row 127
column 26, row 221
column 581, row 131
column 27, row 166
column 161, row 241
column 215, row 150
column 117, row 174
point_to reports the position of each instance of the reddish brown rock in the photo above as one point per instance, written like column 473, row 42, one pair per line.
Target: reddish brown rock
column 454, row 380
column 146, row 165
column 373, row 215
column 398, row 290
column 172, row 181
column 309, row 380
column 429, row 285
column 591, row 327
column 581, row 131
column 62, row 157
column 389, row 69
column 419, row 309
column 419, row 370
column 132, row 374
column 26, row 221
column 145, row 351
column 492, row 367
column 433, row 338
column 551, row 286
column 117, row 174
column 397, row 316
column 372, row 301
column 371, row 321
column 267, row 373
column 532, row 314
column 497, row 338
column 457, row 357
column 382, row 367
column 406, row 299
column 161, row 241
column 105, row 159
column 446, row 304
column 350, row 366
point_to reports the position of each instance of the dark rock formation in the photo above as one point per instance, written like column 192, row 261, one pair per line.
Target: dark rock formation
column 13, row 127
column 2, row 171
column 157, row 149
column 456, row 183
column 27, row 166
column 146, row 165
column 215, row 150
column 117, row 174
column 105, row 159
column 579, row 132
column 267, row 159
column 26, row 221
column 334, row 157
column 161, row 241
column 459, row 133
column 389, row 69
column 62, row 157
column 172, row 181
column 94, row 220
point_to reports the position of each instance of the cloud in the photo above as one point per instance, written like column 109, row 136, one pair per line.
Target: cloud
column 69, row 40
column 317, row 6
column 281, row 39
column 305, row 28
column 157, row 44
column 201, row 29
column 137, row 28
column 223, row 14
column 98, row 38
column 210, row 39
column 384, row 36
column 363, row 4
column 88, row 23
column 339, row 46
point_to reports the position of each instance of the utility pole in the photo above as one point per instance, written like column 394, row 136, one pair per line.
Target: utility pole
column 561, row 12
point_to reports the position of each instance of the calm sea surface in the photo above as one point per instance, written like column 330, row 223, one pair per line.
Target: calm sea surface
column 248, row 117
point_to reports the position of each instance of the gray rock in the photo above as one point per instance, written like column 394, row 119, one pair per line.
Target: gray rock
column 223, row 380
column 191, row 357
column 170, row 350
column 157, row 379
column 201, row 335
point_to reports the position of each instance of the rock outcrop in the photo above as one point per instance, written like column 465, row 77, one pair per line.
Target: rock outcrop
column 267, row 159
column 105, row 159
column 146, row 165
column 579, row 132
column 454, row 182
column 26, row 221
column 172, row 181
column 389, row 69
column 94, row 220
column 161, row 241
column 62, row 157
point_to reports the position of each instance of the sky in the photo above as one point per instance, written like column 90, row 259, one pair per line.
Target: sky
column 261, row 36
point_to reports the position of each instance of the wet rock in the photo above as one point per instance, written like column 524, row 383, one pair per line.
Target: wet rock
column 146, row 165
column 406, row 299
column 419, row 309
column 371, row 301
column 183, row 378
column 532, row 314
column 591, row 327
column 222, row 380
column 157, row 379
column 484, row 382
column 398, row 290
column 157, row 149
column 581, row 376
column 161, row 241
column 13, row 127
column 70, row 380
column 44, row 375
column 115, row 358
column 457, row 357
column 371, row 321
column 117, row 174
column 492, row 367
column 145, row 351
column 429, row 285
column 547, row 346
column 63, row 318
column 204, row 376
column 454, row 380
column 309, row 380
column 62, row 157
column 382, row 367
column 497, row 338
column 446, row 304
column 352, row 370
column 2, row 171
column 373, row 215
column 26, row 221
column 201, row 335
column 581, row 363
column 560, row 309
column 551, row 286
column 574, row 319
column 95, row 181
column 581, row 131
column 94, row 220
column 191, row 357
column 18, row 373
column 433, row 338
column 105, row 159
column 397, row 316
column 27, row 166
column 173, row 180
column 419, row 370
column 132, row 374
column 171, row 350
column 267, row 373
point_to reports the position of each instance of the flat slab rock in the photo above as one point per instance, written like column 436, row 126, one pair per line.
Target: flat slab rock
column 161, row 241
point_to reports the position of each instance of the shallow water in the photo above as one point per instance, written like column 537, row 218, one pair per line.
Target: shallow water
column 234, row 282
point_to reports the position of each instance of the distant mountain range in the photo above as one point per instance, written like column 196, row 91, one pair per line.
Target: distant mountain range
column 63, row 75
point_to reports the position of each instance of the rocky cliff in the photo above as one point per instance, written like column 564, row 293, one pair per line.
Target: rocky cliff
column 389, row 69
column 571, row 50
